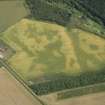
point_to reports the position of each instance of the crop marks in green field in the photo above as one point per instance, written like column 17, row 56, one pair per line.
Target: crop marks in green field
column 53, row 54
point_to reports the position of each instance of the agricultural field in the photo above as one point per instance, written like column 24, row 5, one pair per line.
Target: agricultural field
column 12, row 91
column 49, row 55
column 11, row 11
column 56, row 50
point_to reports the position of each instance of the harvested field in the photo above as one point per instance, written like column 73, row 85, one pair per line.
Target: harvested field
column 12, row 92
column 11, row 11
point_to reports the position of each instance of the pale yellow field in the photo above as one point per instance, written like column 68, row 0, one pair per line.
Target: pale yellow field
column 12, row 92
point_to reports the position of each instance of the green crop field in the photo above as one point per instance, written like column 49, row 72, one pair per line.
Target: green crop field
column 46, row 52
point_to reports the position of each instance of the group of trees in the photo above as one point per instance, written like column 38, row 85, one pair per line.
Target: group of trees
column 40, row 9
column 68, row 82
column 96, row 6
column 81, row 91
column 51, row 10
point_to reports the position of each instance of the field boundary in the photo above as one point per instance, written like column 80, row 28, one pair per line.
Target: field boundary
column 69, row 93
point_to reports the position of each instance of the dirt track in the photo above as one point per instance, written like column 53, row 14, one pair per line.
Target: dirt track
column 12, row 92
column 91, row 99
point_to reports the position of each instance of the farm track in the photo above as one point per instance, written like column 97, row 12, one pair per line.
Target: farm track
column 91, row 99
